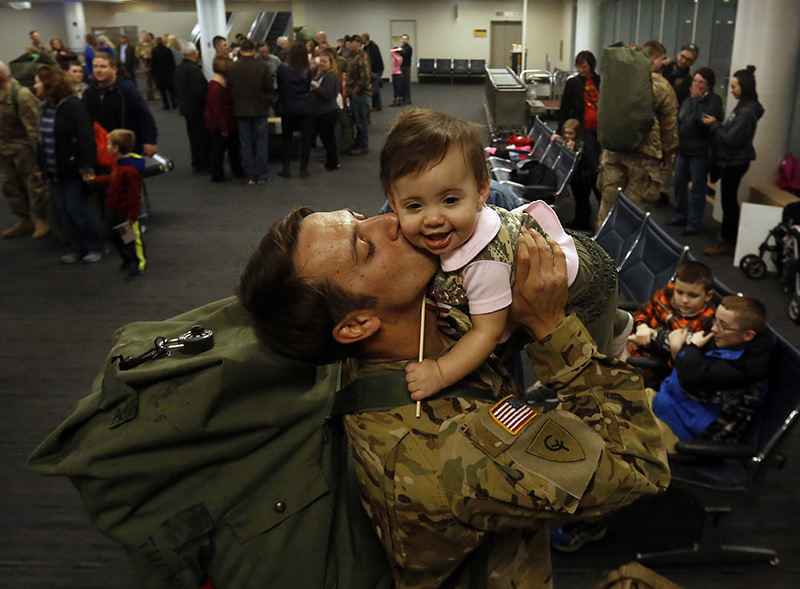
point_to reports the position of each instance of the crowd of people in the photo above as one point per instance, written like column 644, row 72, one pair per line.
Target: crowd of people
column 688, row 142
column 53, row 129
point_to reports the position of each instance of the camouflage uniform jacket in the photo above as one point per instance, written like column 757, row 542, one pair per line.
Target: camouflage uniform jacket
column 662, row 141
column 19, row 124
column 438, row 486
column 358, row 81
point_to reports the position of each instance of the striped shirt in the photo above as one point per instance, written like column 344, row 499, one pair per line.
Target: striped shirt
column 48, row 135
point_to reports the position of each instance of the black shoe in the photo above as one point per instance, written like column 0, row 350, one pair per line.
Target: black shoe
column 285, row 172
column 676, row 222
column 689, row 231
column 222, row 179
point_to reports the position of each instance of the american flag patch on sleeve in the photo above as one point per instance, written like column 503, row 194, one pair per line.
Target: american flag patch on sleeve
column 512, row 414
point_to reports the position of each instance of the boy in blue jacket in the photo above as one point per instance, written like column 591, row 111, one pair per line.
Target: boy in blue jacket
column 719, row 376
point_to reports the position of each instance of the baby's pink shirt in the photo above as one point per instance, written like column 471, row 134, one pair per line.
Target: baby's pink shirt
column 488, row 282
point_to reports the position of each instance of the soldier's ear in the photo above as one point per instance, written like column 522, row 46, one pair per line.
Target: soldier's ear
column 356, row 326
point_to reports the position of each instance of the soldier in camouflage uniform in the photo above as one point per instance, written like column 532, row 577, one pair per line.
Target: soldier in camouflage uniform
column 144, row 51
column 641, row 173
column 468, row 476
column 20, row 176
column 37, row 46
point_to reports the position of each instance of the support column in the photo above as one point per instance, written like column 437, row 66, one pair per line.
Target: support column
column 76, row 26
column 775, row 57
column 587, row 28
column 211, row 18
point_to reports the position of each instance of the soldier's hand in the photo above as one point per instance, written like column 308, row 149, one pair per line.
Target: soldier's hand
column 149, row 149
column 424, row 379
column 540, row 290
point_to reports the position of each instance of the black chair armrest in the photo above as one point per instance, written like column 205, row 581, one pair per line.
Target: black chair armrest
column 652, row 362
column 709, row 449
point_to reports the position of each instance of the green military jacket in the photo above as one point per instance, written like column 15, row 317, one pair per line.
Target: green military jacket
column 438, row 486
column 662, row 141
column 19, row 123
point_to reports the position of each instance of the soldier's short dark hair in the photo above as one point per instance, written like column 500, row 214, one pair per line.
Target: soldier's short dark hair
column 750, row 312
column 420, row 139
column 217, row 39
column 695, row 272
column 123, row 139
column 248, row 45
column 291, row 315
column 588, row 57
column 654, row 48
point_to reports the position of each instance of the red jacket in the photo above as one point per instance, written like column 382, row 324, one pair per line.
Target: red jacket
column 219, row 108
column 125, row 186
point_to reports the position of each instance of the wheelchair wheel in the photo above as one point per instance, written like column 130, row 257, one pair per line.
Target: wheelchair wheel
column 794, row 308
column 753, row 266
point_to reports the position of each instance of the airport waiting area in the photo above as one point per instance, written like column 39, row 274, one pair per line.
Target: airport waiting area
column 211, row 408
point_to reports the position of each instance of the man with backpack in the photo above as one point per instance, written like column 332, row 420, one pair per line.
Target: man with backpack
column 637, row 126
column 20, row 176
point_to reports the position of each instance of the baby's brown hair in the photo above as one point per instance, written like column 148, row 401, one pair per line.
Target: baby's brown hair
column 420, row 139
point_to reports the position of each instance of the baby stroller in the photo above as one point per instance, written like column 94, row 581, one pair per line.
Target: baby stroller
column 783, row 245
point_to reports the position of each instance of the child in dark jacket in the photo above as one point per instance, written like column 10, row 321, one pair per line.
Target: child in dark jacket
column 124, row 201
column 719, row 376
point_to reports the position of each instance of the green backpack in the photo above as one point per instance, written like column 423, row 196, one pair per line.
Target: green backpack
column 218, row 466
column 625, row 109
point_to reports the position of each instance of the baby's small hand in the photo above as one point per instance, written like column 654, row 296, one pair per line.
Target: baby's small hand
column 424, row 379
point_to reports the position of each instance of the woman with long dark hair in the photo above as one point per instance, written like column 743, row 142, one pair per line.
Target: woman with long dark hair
column 296, row 106
column 733, row 141
column 68, row 153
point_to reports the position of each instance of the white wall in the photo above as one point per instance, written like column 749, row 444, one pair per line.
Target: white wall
column 439, row 33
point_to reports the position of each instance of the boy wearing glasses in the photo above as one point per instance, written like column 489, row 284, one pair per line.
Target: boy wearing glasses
column 719, row 376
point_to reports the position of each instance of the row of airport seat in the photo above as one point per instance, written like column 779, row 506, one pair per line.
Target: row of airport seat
column 647, row 257
column 451, row 68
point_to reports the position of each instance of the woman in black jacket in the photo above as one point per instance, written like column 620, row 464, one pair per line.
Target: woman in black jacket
column 325, row 88
column 296, row 106
column 579, row 101
column 733, row 141
column 68, row 153
column 694, row 151
column 162, row 68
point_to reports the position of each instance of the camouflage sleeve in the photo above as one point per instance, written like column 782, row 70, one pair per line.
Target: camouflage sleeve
column 29, row 114
column 600, row 450
column 667, row 111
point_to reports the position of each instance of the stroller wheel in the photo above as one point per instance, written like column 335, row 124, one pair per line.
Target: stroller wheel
column 753, row 266
column 794, row 308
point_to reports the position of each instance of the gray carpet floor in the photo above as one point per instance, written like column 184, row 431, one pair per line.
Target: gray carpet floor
column 57, row 322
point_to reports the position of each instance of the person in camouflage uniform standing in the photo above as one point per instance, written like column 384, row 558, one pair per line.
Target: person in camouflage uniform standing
column 20, row 176
column 467, row 476
column 37, row 46
column 641, row 173
column 144, row 51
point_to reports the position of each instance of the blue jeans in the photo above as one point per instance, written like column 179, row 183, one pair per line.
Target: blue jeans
column 691, row 205
column 254, row 138
column 83, row 229
column 360, row 107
